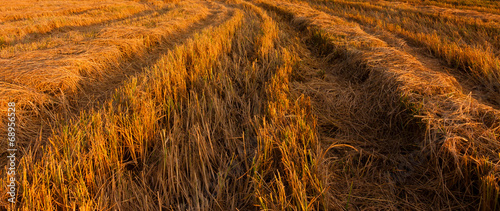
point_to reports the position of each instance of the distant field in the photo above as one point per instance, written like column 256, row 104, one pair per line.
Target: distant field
column 251, row 105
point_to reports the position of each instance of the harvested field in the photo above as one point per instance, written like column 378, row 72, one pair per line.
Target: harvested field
column 250, row 105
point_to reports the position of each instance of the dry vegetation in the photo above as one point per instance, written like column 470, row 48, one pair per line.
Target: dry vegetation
column 253, row 105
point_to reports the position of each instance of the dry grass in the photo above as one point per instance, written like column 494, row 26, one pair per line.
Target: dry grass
column 451, row 118
column 474, row 5
column 246, row 105
column 43, row 80
column 466, row 43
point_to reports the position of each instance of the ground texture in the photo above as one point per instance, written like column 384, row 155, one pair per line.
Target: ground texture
column 252, row 105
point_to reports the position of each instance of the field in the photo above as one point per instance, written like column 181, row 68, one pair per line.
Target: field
column 250, row 104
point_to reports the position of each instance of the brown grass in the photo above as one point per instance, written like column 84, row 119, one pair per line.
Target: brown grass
column 246, row 105
column 431, row 96
column 466, row 43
